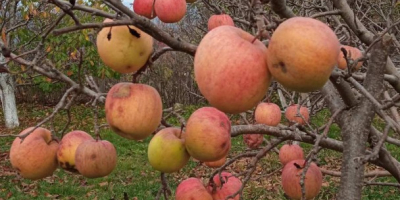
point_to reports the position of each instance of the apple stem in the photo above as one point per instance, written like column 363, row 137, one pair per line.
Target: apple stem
column 180, row 134
column 109, row 34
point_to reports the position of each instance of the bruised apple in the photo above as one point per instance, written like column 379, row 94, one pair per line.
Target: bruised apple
column 216, row 164
column 268, row 114
column 219, row 20
column 170, row 11
column 166, row 151
column 301, row 117
column 289, row 152
column 304, row 65
column 67, row 148
column 34, row 158
column 133, row 111
column 95, row 158
column 353, row 53
column 229, row 187
column 208, row 134
column 291, row 176
column 122, row 49
column 231, row 70
column 192, row 189
column 144, row 8
column 253, row 141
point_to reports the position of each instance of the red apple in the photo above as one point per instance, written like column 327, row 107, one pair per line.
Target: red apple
column 170, row 11
column 289, row 152
column 219, row 20
column 291, row 175
column 268, row 114
column 253, row 141
column 231, row 70
column 95, row 158
column 208, row 134
column 353, row 53
column 292, row 114
column 133, row 111
column 166, row 150
column 229, row 187
column 216, row 164
column 144, row 8
column 192, row 189
column 34, row 158
column 67, row 148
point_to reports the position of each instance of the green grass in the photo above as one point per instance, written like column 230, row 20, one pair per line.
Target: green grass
column 135, row 177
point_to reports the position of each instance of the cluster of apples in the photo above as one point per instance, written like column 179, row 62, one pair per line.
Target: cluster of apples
column 194, row 189
column 292, row 158
column 168, row 11
column 39, row 155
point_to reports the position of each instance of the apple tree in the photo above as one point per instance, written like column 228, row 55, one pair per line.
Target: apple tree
column 260, row 60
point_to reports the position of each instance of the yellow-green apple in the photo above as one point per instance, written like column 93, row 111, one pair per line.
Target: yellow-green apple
column 304, row 65
column 95, row 158
column 144, row 8
column 353, row 53
column 230, row 69
column 289, row 152
column 207, row 135
column 122, row 49
column 35, row 157
column 253, row 141
column 170, row 11
column 268, row 114
column 220, row 191
column 293, row 116
column 192, row 189
column 291, row 176
column 166, row 151
column 133, row 111
column 67, row 148
column 219, row 20
column 216, row 164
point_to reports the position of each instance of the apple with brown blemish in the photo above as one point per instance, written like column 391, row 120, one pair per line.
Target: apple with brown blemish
column 95, row 158
column 253, row 141
column 230, row 185
column 230, row 68
column 35, row 157
column 207, row 135
column 123, row 49
column 133, row 111
column 67, row 148
column 304, row 65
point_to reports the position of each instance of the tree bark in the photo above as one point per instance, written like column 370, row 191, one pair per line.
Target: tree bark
column 356, row 123
column 7, row 98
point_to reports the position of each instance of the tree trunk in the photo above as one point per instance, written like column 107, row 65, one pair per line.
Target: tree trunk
column 7, row 98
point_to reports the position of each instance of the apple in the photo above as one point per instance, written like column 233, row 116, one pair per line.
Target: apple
column 231, row 70
column 67, row 148
column 95, row 158
column 353, row 53
column 170, row 11
column 133, row 111
column 123, row 51
column 144, row 8
column 208, row 134
column 268, row 113
column 253, row 141
column 222, row 190
column 192, row 189
column 293, row 116
column 216, row 164
column 289, row 152
column 304, row 65
column 219, row 20
column 167, row 152
column 291, row 176
column 35, row 157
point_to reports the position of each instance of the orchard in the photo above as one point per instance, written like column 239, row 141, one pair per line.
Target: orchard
column 216, row 99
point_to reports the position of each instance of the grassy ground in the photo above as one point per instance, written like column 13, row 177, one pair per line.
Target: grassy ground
column 134, row 177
